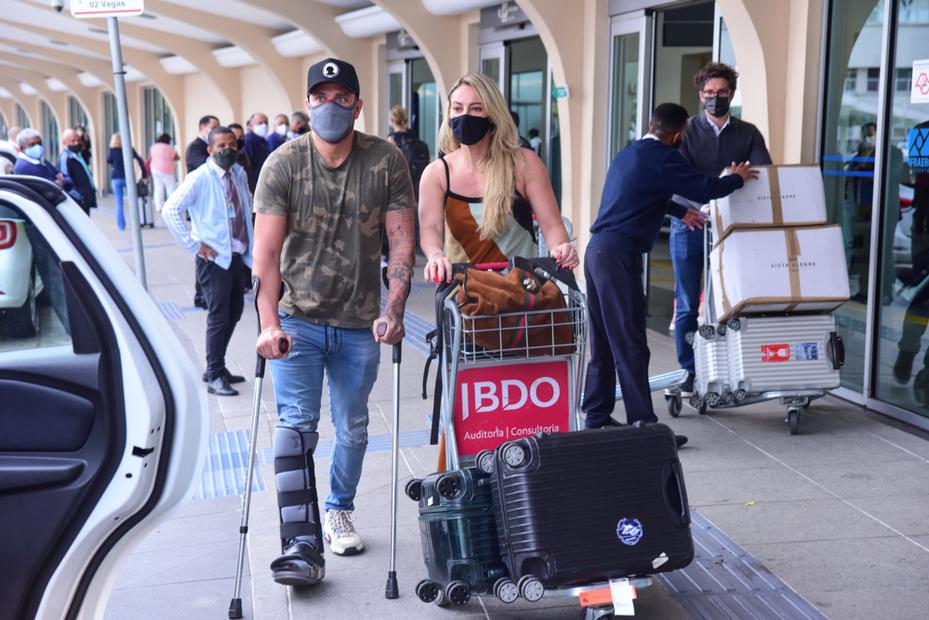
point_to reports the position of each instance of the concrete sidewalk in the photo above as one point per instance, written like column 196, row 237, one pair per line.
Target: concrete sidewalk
column 838, row 513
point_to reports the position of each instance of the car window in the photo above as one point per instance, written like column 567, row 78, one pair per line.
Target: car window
column 33, row 310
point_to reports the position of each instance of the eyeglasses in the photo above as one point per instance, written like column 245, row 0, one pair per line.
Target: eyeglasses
column 717, row 93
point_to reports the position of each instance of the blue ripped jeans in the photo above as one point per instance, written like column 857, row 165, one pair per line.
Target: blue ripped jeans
column 349, row 358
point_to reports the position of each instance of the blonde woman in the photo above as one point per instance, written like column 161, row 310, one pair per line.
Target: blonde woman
column 399, row 124
column 477, row 202
column 118, row 176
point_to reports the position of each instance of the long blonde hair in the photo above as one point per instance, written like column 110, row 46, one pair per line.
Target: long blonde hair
column 498, row 168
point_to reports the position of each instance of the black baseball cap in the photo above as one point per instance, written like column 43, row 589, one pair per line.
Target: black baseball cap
column 333, row 70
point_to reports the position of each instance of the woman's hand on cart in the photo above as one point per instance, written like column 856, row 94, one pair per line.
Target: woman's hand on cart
column 438, row 268
column 566, row 255
column 273, row 343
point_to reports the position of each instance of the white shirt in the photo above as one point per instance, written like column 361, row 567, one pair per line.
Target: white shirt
column 237, row 246
column 716, row 128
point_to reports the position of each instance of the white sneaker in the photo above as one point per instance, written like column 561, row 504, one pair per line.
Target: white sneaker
column 340, row 533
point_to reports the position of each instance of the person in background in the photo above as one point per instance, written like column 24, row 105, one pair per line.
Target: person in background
column 399, row 126
column 118, row 176
column 71, row 164
column 522, row 141
column 197, row 152
column 8, row 151
column 256, row 146
column 636, row 198
column 535, row 141
column 220, row 206
column 30, row 161
column 713, row 140
column 84, row 137
column 163, row 158
column 279, row 135
column 196, row 155
column 299, row 125
column 243, row 159
column 11, row 134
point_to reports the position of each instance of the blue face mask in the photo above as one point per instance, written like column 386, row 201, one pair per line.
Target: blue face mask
column 36, row 151
column 332, row 122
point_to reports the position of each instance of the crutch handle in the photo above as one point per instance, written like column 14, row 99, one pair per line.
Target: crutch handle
column 381, row 330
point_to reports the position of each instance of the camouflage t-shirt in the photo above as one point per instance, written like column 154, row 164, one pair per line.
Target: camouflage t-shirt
column 330, row 261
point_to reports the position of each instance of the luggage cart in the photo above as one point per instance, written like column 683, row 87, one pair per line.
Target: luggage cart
column 709, row 328
column 545, row 380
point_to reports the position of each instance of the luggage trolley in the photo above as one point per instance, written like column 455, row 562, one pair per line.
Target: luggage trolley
column 494, row 395
column 712, row 356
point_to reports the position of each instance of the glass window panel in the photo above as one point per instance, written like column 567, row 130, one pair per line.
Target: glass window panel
column 901, row 364
column 625, row 91
column 49, row 129
column 423, row 109
column 848, row 161
column 491, row 68
column 22, row 119
column 33, row 312
column 3, row 128
column 727, row 56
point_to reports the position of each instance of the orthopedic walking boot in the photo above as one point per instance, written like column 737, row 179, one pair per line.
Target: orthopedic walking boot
column 301, row 561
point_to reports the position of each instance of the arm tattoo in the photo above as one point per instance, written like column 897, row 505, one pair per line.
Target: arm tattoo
column 401, row 237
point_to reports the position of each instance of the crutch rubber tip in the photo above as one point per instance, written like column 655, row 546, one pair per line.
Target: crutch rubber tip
column 235, row 609
column 392, row 591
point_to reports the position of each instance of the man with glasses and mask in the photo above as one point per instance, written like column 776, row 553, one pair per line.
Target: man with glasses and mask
column 217, row 198
column 713, row 141
column 321, row 201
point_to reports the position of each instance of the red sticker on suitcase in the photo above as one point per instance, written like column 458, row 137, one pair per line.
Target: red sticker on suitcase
column 494, row 404
column 775, row 353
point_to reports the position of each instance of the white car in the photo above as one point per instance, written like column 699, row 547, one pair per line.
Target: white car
column 20, row 283
column 104, row 429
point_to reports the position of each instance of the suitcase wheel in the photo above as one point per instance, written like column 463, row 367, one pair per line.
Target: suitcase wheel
column 740, row 395
column 414, row 489
column 735, row 324
column 689, row 338
column 514, row 455
column 712, row 399
column 531, row 588
column 675, row 402
column 457, row 593
column 427, row 591
column 707, row 331
column 485, row 461
column 449, row 486
column 506, row 590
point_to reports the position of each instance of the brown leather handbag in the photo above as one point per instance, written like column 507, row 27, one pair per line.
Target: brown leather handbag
column 509, row 308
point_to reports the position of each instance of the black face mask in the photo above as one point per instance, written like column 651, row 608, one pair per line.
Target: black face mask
column 75, row 148
column 241, row 144
column 717, row 106
column 469, row 129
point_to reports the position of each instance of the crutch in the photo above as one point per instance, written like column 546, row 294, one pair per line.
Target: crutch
column 392, row 591
column 235, row 606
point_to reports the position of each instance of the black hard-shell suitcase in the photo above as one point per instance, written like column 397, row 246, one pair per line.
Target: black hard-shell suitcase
column 459, row 536
column 584, row 507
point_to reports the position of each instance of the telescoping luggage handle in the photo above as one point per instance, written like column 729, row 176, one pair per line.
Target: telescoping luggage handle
column 836, row 350
column 545, row 268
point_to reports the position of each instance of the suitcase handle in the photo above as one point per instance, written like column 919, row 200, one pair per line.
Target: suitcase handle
column 836, row 350
column 674, row 492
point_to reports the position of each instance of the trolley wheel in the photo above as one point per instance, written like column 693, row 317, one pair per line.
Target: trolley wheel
column 414, row 489
column 427, row 591
column 449, row 486
column 675, row 404
column 506, row 590
column 514, row 455
column 458, row 593
column 485, row 461
column 531, row 588
column 793, row 420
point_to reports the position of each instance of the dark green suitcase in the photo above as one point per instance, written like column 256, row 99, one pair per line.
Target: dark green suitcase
column 461, row 548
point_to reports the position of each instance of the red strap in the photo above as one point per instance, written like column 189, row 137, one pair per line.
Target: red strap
column 491, row 266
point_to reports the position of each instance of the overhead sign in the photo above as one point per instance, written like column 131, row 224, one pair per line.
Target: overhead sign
column 919, row 89
column 106, row 8
column 560, row 92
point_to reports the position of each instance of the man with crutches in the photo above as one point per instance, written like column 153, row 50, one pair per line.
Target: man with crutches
column 320, row 203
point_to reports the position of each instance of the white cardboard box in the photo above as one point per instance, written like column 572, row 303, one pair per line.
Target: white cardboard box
column 780, row 196
column 779, row 270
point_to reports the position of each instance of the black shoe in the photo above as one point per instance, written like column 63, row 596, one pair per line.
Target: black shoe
column 229, row 376
column 680, row 440
column 220, row 387
column 606, row 423
column 200, row 302
column 903, row 367
column 300, row 564
column 687, row 388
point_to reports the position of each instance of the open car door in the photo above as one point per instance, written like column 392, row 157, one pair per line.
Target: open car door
column 103, row 424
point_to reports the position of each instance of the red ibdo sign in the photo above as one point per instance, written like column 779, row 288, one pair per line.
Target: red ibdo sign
column 494, row 404
column 775, row 353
